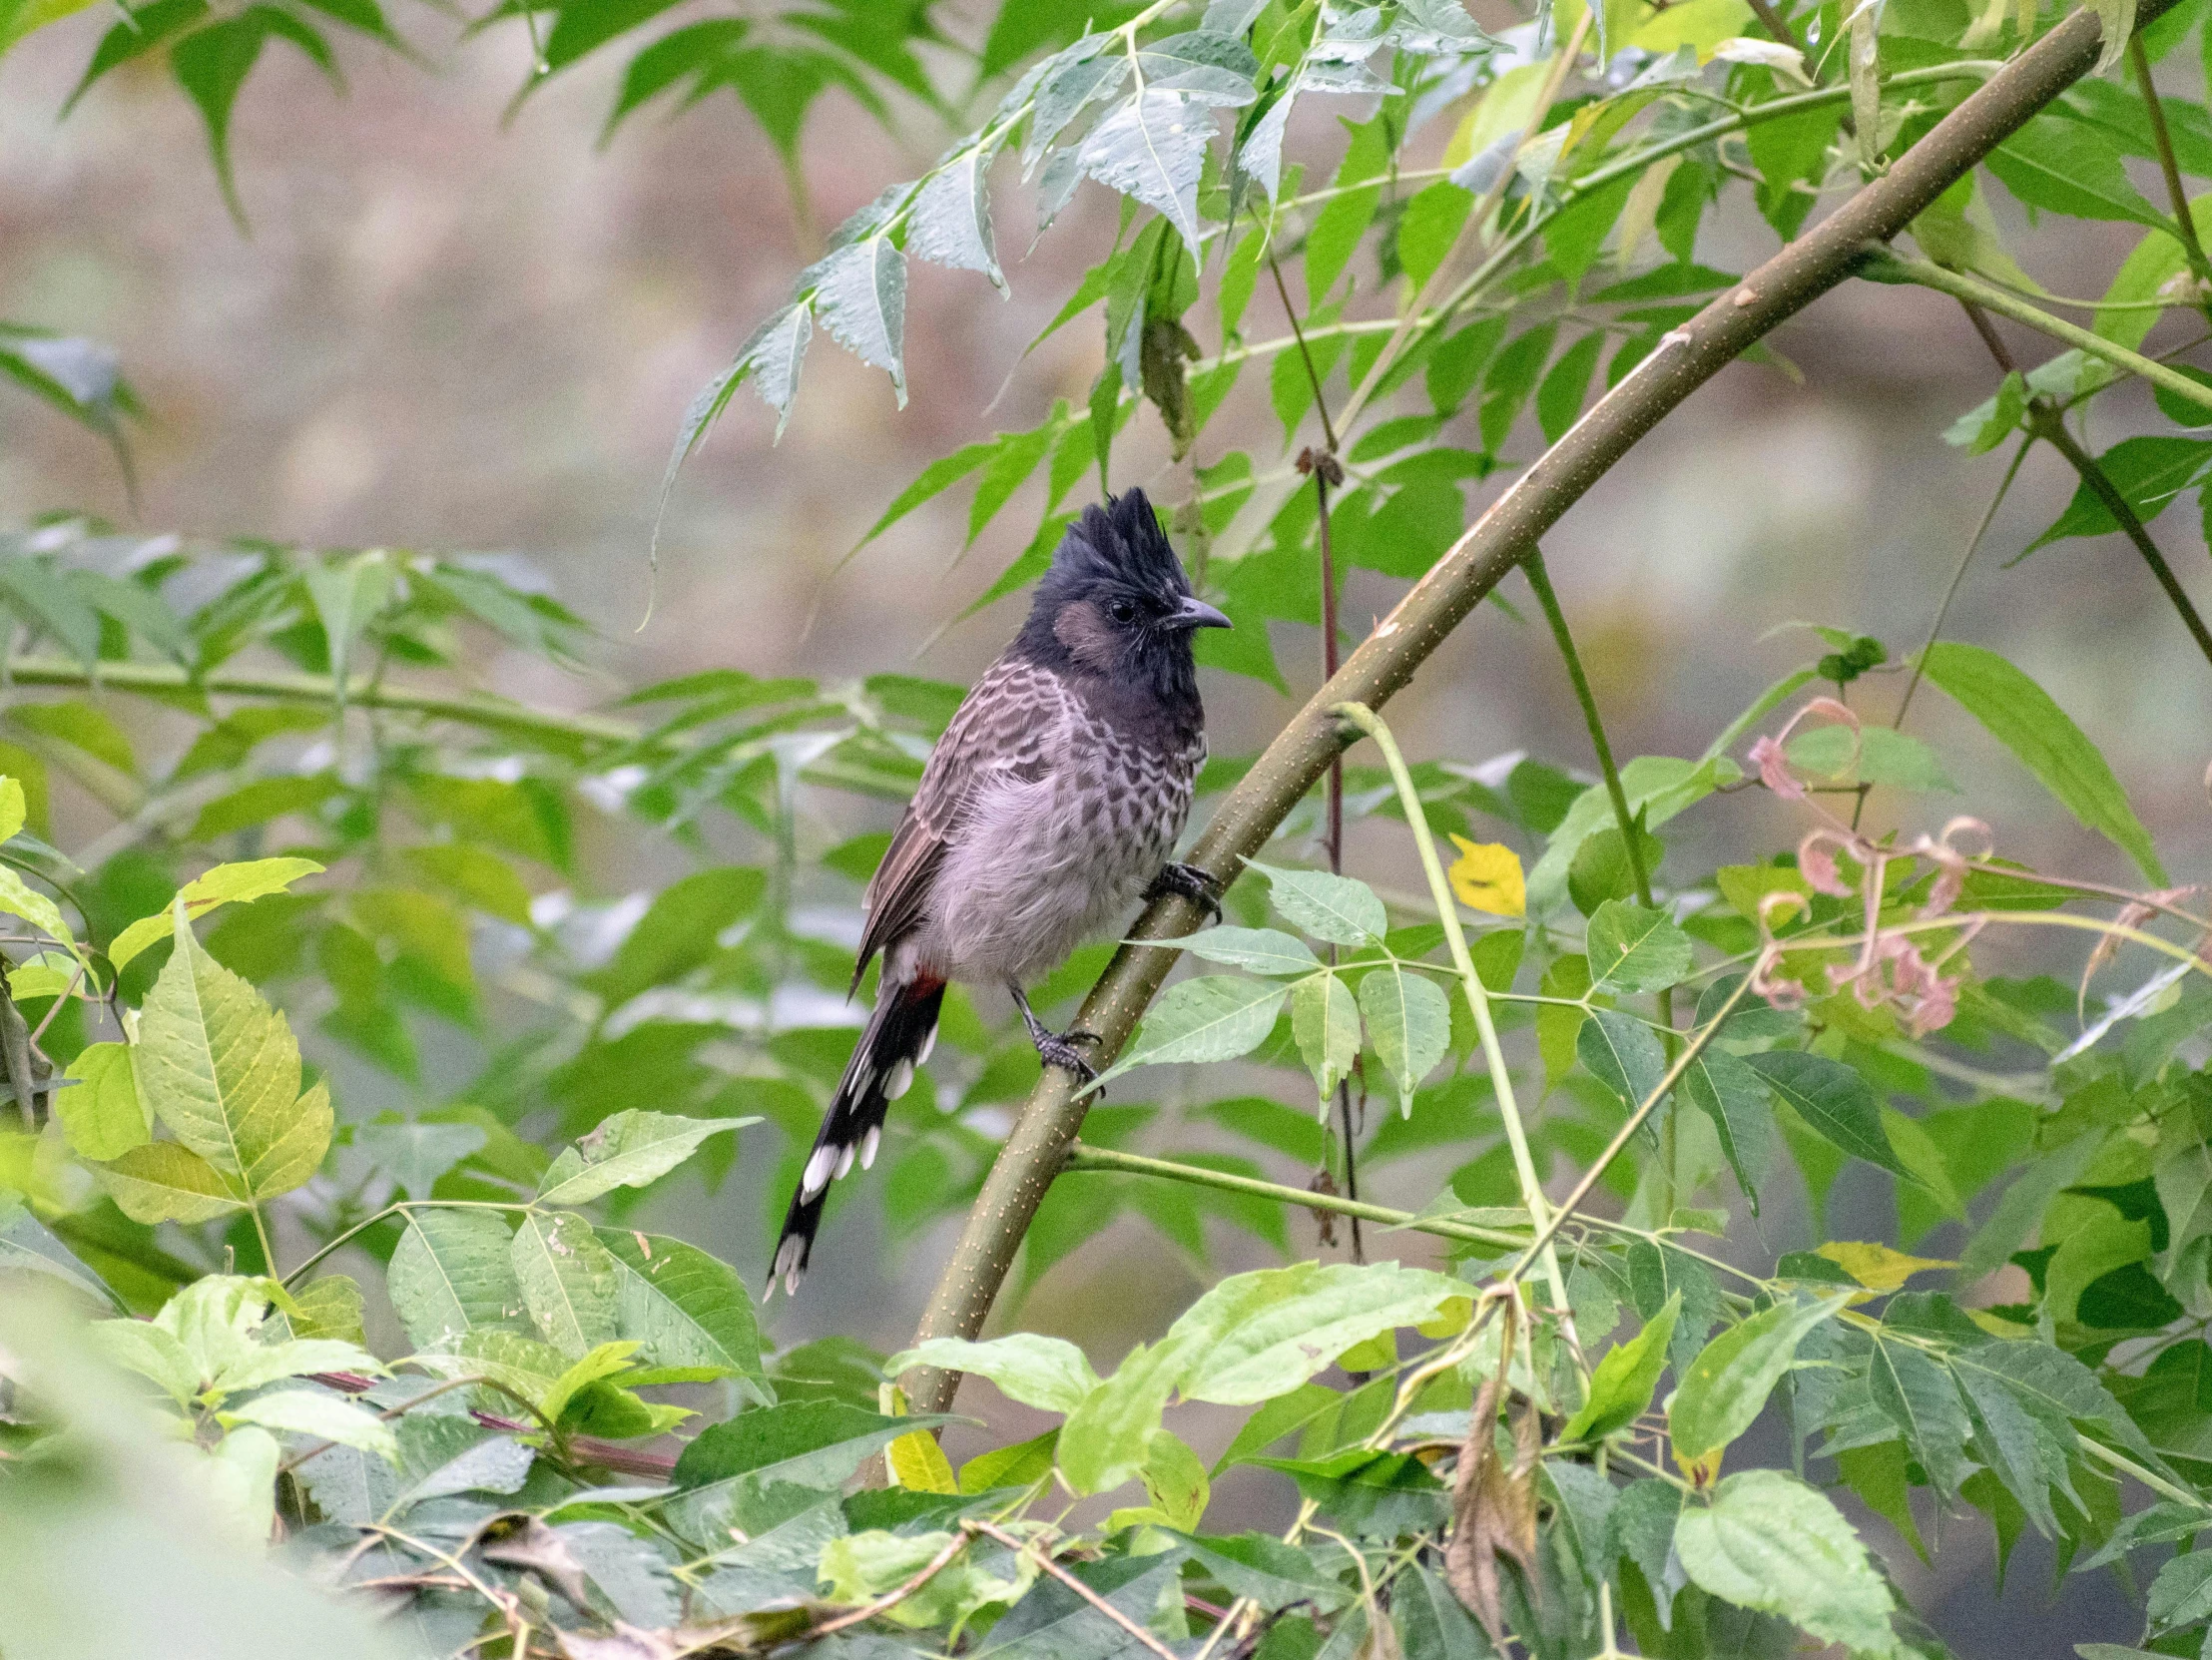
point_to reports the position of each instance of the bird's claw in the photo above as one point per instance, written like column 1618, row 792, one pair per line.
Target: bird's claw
column 1057, row 1049
column 1187, row 881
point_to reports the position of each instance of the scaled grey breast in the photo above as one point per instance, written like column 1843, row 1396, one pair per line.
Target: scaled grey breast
column 1014, row 724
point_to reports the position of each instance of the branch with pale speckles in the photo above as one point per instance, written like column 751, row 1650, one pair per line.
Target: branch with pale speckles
column 1504, row 534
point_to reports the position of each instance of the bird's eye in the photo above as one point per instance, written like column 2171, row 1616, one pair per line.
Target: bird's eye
column 1122, row 611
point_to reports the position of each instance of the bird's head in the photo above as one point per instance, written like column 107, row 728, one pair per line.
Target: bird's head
column 1116, row 603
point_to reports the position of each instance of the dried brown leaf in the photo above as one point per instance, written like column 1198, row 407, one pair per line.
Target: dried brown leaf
column 1494, row 1505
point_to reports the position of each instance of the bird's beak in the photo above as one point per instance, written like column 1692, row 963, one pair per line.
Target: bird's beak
column 1196, row 613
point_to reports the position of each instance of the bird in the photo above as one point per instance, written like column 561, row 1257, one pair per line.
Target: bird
column 1046, row 812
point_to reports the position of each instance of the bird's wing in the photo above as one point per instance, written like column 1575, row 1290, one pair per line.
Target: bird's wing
column 1010, row 727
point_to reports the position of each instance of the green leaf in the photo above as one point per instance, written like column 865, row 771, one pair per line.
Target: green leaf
column 452, row 1274
column 860, row 296
column 1108, row 1437
column 1381, row 1494
column 238, row 884
column 1018, row 1465
column 1833, row 1100
column 2182, row 1592
column 19, row 899
column 1919, row 1396
column 1734, row 1096
column 682, row 1306
column 681, row 931
column 320, row 1416
column 160, row 1181
column 602, row 1361
column 1559, row 398
column 1260, row 950
column 628, row 1150
column 1151, row 146
column 1216, row 1017
column 1622, row 1054
column 1727, row 1385
column 1769, row 1542
column 1047, row 1373
column 347, row 598
column 934, row 480
column 1273, row 1574
column 417, row 1154
column 1327, row 1029
column 2070, row 168
column 1429, row 225
column 1634, row 950
column 1336, row 908
column 2021, row 716
column 220, row 1068
column 211, row 64
column 1621, row 1386
column 1408, row 1020
column 2149, row 473
column 569, row 1282
column 1257, row 1335
column 102, row 1116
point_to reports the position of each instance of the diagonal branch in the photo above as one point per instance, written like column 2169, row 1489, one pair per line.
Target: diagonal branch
column 1684, row 360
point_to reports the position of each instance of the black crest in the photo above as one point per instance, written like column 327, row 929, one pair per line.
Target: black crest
column 1116, row 545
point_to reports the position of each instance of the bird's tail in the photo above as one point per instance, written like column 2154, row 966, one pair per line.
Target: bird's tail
column 898, row 1038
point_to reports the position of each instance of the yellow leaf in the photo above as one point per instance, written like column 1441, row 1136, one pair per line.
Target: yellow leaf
column 1449, row 1319
column 1876, row 1267
column 1488, row 877
column 919, row 1464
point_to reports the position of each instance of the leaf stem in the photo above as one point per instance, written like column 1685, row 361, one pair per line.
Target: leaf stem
column 395, row 1208
column 1881, row 266
column 1101, row 1160
column 1958, row 577
column 1539, row 579
column 2139, row 61
column 1470, row 982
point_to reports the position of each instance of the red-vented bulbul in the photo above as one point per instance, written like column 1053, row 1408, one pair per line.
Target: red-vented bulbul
column 1045, row 813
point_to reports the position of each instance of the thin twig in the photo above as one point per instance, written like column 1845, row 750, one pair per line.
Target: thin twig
column 1044, row 1561
column 891, row 1598
column 2139, row 59
column 1959, row 575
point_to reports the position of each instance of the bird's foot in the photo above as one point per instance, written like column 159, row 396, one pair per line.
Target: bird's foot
column 1057, row 1048
column 1187, row 881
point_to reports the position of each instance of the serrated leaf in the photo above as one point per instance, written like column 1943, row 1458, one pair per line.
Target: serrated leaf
column 1834, row 1102
column 220, row 1068
column 238, row 884
column 1735, row 1098
column 860, row 296
column 1326, row 1027
column 160, row 1181
column 1151, row 146
column 1260, row 950
column 1767, row 1541
column 416, row 1154
column 104, row 1116
column 1257, row 1335
column 951, row 220
column 1215, row 1017
column 1727, row 1385
column 318, row 1416
column 1339, row 909
column 682, row 1306
column 2072, row 168
column 569, row 1281
column 2021, row 716
column 1071, row 82
column 1622, row 1053
column 451, row 1274
column 1623, row 1383
column 1408, row 1020
column 1210, row 66
column 1634, row 950
column 1919, row 1396
column 628, row 1150
column 1047, row 1373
